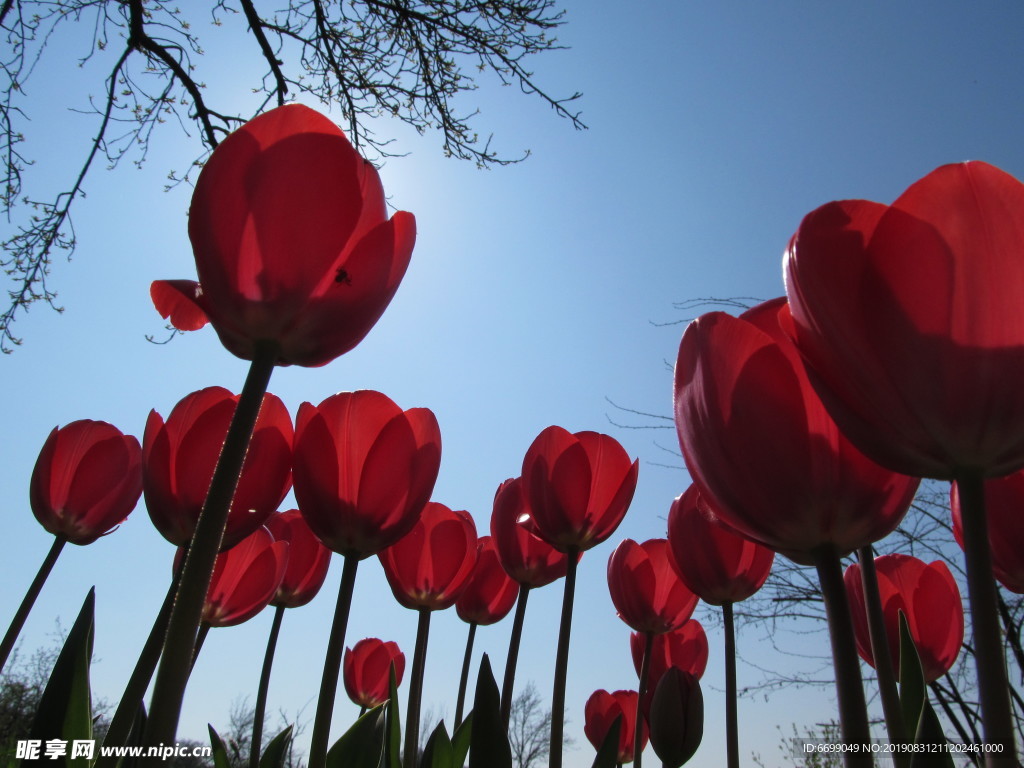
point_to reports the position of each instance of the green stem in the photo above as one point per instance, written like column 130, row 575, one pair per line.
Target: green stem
column 128, row 709
column 645, row 671
column 256, row 744
column 204, row 630
column 993, row 686
column 562, row 665
column 880, row 651
column 172, row 676
column 513, row 655
column 332, row 665
column 732, row 729
column 853, row 714
column 29, row 600
column 464, row 679
column 412, row 719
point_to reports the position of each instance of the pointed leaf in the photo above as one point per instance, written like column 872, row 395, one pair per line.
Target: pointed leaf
column 219, row 749
column 438, row 752
column 65, row 709
column 277, row 750
column 489, row 741
column 608, row 754
column 362, row 745
column 461, row 740
column 930, row 732
column 912, row 691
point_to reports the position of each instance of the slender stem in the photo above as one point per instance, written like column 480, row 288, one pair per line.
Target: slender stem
column 204, row 630
column 880, row 651
column 732, row 730
column 332, row 665
column 961, row 731
column 128, row 709
column 993, row 686
column 464, row 680
column 562, row 664
column 255, row 746
column 172, row 676
column 853, row 713
column 513, row 655
column 29, row 600
column 412, row 718
column 645, row 672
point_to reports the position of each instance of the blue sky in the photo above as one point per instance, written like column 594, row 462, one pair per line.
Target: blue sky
column 535, row 293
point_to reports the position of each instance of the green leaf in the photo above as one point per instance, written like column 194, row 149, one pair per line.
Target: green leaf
column 277, row 750
column 489, row 746
column 438, row 752
column 393, row 737
column 930, row 732
column 608, row 754
column 460, row 741
column 219, row 749
column 65, row 709
column 913, row 694
column 362, row 746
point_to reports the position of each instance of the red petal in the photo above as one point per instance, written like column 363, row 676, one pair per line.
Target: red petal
column 180, row 302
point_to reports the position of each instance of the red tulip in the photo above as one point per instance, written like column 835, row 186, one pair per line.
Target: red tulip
column 367, row 671
column 599, row 714
column 292, row 242
column 763, row 451
column 308, row 559
column 927, row 595
column 676, row 718
column 1004, row 502
column 364, row 468
column 645, row 588
column 179, row 457
column 86, row 481
column 491, row 593
column 910, row 317
column 685, row 647
column 527, row 558
column 244, row 580
column 431, row 565
column 712, row 560
column 578, row 486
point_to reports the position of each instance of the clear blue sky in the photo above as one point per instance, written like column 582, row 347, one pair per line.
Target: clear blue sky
column 533, row 295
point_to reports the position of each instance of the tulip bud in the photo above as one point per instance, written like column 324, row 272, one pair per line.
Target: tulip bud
column 676, row 719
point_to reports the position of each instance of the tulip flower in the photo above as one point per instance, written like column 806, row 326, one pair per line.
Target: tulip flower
column 908, row 315
column 364, row 469
column 180, row 454
column 292, row 242
column 528, row 559
column 927, row 595
column 601, row 711
column 722, row 567
column 676, row 718
column 368, row 671
column 86, row 480
column 487, row 599
column 428, row 569
column 1004, row 500
column 685, row 647
column 774, row 467
column 578, row 487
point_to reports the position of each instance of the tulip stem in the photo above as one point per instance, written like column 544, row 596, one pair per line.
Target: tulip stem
column 204, row 630
column 29, row 600
column 853, row 713
column 128, row 709
column 638, row 726
column 880, row 651
column 332, row 665
column 412, row 717
column 175, row 663
column 562, row 663
column 513, row 655
column 464, row 679
column 732, row 728
column 993, row 686
column 260, row 712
